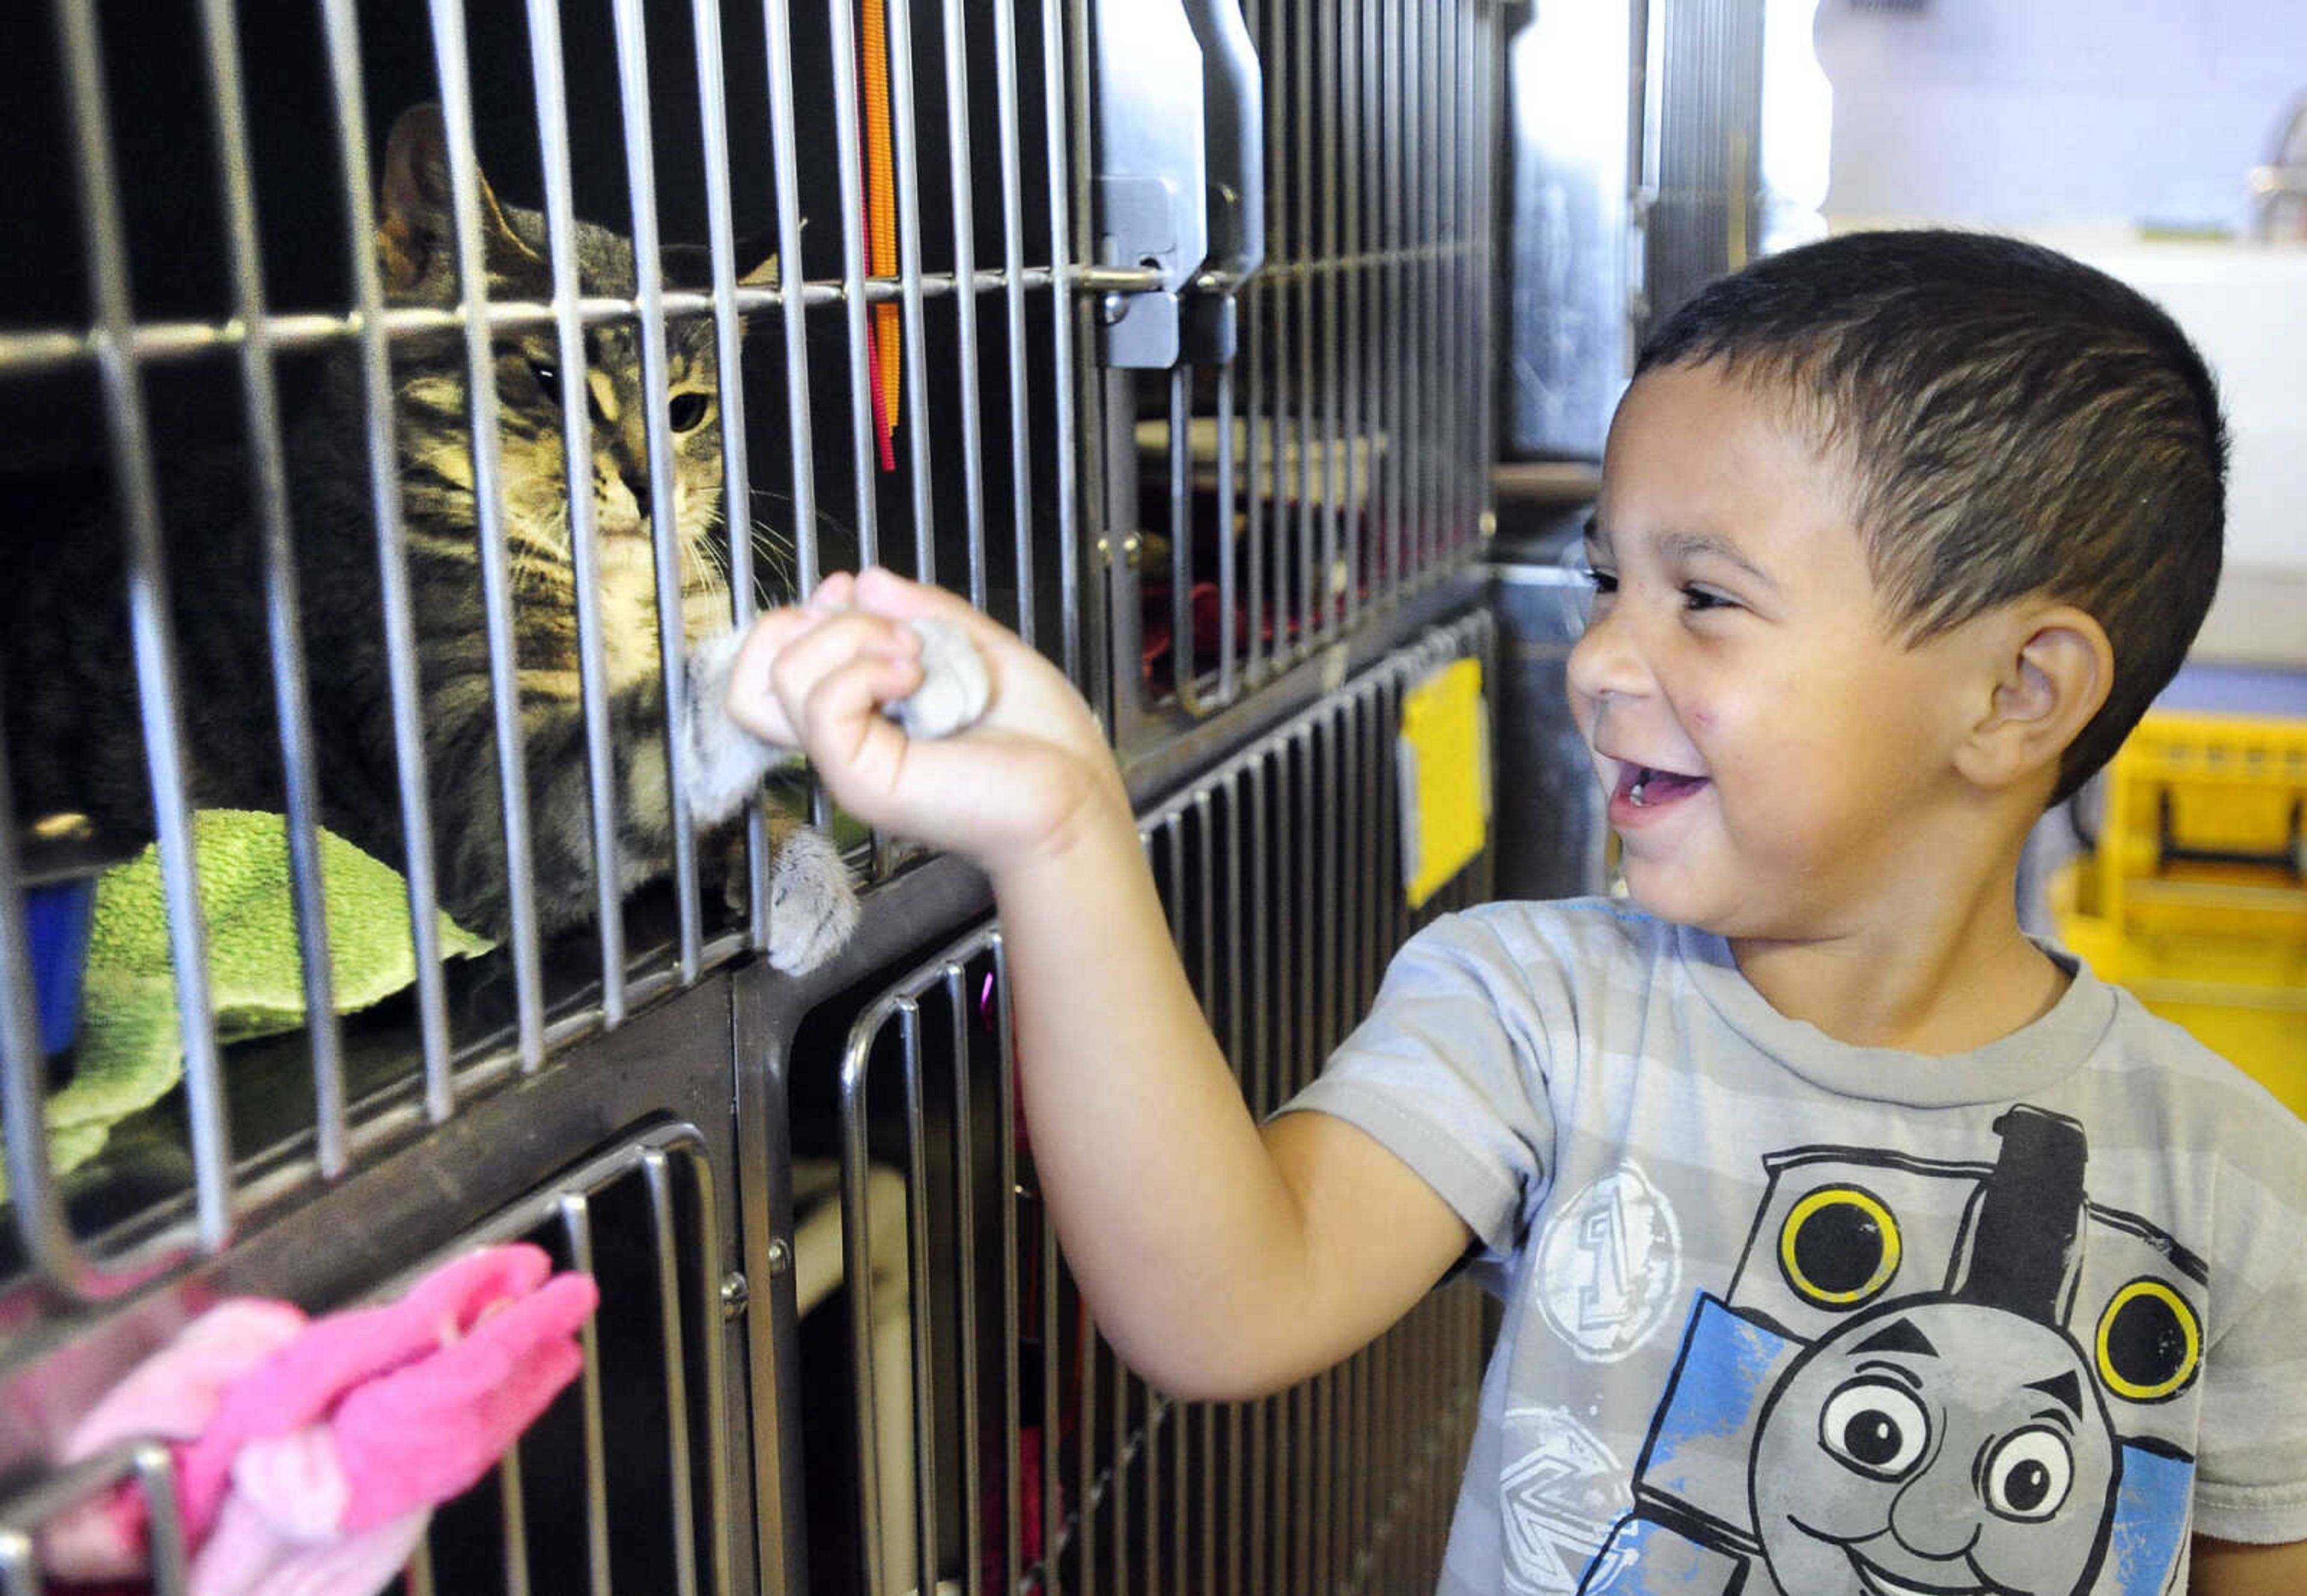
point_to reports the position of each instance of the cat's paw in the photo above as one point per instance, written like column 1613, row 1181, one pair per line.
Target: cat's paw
column 726, row 762
column 812, row 903
column 955, row 688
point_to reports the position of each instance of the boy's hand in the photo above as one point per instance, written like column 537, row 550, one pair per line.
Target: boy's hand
column 1011, row 791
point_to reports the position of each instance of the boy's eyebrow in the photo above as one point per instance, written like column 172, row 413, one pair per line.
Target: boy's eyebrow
column 1685, row 545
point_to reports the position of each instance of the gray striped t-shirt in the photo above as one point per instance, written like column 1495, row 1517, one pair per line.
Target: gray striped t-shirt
column 1831, row 1320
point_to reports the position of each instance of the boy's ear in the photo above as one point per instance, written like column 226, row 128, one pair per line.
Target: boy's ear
column 2052, row 668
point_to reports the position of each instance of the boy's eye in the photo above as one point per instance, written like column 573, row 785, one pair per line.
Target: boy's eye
column 687, row 411
column 1601, row 581
column 1706, row 598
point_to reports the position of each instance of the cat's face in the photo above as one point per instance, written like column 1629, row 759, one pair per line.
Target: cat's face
column 417, row 255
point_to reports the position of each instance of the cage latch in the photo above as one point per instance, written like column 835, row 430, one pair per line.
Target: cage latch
column 1179, row 176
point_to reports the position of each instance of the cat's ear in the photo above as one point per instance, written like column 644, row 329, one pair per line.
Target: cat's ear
column 691, row 265
column 759, row 248
column 416, row 225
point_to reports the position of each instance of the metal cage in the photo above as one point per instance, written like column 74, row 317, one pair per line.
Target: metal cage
column 1000, row 1446
column 1229, row 543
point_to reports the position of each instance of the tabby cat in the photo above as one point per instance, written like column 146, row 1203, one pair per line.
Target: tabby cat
column 73, row 737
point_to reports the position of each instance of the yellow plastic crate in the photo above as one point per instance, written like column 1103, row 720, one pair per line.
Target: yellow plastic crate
column 2196, row 899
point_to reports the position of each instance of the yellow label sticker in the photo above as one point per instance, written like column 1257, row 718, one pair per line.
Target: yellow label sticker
column 1443, row 754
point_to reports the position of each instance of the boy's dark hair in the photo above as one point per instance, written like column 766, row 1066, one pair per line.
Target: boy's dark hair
column 2019, row 424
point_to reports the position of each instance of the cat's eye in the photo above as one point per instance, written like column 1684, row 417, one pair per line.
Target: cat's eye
column 688, row 411
column 547, row 377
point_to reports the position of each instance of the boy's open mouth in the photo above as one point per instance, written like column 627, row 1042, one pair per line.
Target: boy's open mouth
column 1645, row 785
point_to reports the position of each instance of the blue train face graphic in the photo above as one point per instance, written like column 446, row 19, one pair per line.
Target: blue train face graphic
column 1928, row 1378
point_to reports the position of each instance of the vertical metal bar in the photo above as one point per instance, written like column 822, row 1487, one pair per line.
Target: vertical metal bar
column 1438, row 334
column 1327, row 964
column 964, row 1211
column 1282, row 262
column 450, row 62
column 417, row 1576
column 728, row 332
column 1262, row 945
column 39, row 1218
column 1013, row 290
column 152, row 628
column 761, row 1111
column 1441, row 158
column 1184, row 666
column 220, row 35
column 1383, row 1455
column 1362, row 1521
column 1371, row 283
column 1304, row 977
column 1449, row 159
column 664, row 530
column 1289, row 1446
column 1333, row 90
column 1417, row 237
column 513, row 1521
column 1086, row 1452
column 718, row 1515
column 156, row 1476
column 584, row 544
column 576, row 1230
column 1053, row 1358
column 842, row 19
column 1399, row 342
column 1118, row 1474
column 1465, row 197
column 20, row 1565
column 784, row 136
column 857, row 1268
column 1012, row 1395
column 1463, row 222
column 1325, row 1475
column 1323, row 780
column 1490, row 90
column 917, row 1234
column 1310, row 581
column 1375, row 748
column 1331, row 963
column 1065, row 116
column 1229, row 596
column 1354, row 884
column 965, row 276
column 1146, row 1449
column 657, row 1171
column 736, row 464
column 1356, row 463
column 1186, row 903
column 1237, row 1001
column 909, row 281
column 1422, row 295
column 1204, row 899
column 1253, row 338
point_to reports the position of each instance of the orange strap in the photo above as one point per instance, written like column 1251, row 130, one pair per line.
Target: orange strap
column 881, row 215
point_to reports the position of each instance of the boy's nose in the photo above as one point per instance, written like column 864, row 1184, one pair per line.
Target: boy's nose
column 1604, row 660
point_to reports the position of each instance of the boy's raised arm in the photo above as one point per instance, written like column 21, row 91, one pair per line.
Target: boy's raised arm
column 1221, row 1261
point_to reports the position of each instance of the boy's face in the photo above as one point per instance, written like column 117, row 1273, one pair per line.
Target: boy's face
column 1766, row 742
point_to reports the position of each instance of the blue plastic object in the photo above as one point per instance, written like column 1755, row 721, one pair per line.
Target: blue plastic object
column 58, row 917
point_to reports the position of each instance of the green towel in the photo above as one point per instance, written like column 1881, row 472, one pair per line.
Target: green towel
column 131, row 1051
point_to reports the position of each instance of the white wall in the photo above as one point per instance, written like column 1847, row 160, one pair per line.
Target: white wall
column 2075, row 121
column 2029, row 113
